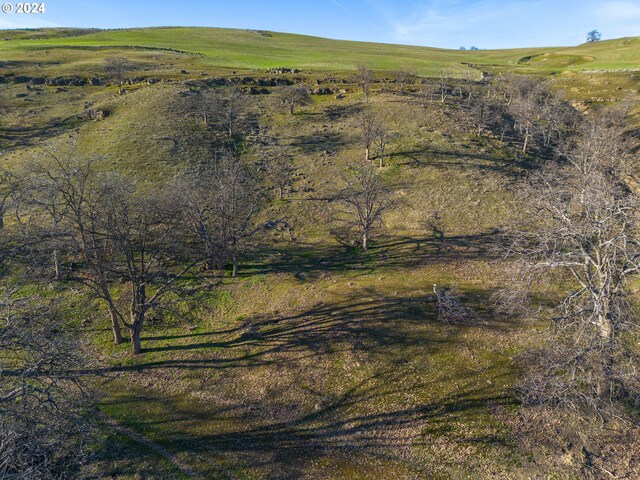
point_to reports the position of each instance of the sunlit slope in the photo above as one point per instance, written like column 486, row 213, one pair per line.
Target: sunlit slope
column 245, row 49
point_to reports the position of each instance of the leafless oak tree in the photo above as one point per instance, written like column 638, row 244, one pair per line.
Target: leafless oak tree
column 233, row 114
column 121, row 233
column 204, row 104
column 219, row 204
column 280, row 168
column 364, row 78
column 582, row 223
column 237, row 199
column 404, row 77
column 44, row 427
column 381, row 139
column 443, row 85
column 367, row 125
column 9, row 184
column 366, row 198
column 116, row 69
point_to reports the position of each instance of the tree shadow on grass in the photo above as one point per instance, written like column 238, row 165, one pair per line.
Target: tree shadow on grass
column 310, row 261
column 355, row 424
column 365, row 323
column 420, row 157
column 12, row 137
column 318, row 142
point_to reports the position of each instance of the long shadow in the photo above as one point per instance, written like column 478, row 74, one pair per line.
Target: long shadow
column 513, row 167
column 29, row 135
column 313, row 261
column 362, row 323
column 339, row 112
column 343, row 426
column 318, row 142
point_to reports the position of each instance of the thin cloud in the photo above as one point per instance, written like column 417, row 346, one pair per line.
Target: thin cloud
column 619, row 11
column 336, row 2
column 503, row 24
column 18, row 21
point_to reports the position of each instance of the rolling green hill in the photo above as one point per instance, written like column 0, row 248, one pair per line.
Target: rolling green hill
column 244, row 49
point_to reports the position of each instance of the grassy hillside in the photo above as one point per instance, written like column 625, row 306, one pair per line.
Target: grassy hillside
column 319, row 361
column 245, row 49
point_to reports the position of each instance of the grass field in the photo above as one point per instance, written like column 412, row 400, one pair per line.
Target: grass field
column 243, row 49
column 319, row 361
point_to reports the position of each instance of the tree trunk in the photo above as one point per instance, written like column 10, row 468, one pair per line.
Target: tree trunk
column 56, row 264
column 365, row 240
column 366, row 153
column 234, row 270
column 604, row 327
column 291, row 107
column 280, row 193
column 115, row 327
column 381, row 158
column 1, row 217
column 136, row 345
column 137, row 321
column 526, row 141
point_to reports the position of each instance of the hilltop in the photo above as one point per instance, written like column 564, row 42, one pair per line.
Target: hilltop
column 247, row 49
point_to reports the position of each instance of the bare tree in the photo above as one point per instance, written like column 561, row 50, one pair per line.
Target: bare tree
column 294, row 95
column 41, row 195
column 364, row 78
column 9, row 184
column 280, row 168
column 196, row 198
column 205, row 104
column 582, row 224
column 427, row 91
column 233, row 113
column 443, row 85
column 527, row 99
column 366, row 199
column 116, row 69
column 122, row 234
column 139, row 226
column 367, row 125
column 404, row 77
column 381, row 138
column 76, row 183
column 219, row 204
column 237, row 199
column 44, row 421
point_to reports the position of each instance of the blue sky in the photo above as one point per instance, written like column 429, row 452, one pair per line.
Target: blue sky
column 438, row 23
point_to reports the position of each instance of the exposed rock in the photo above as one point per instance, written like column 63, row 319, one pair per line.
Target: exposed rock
column 92, row 114
column 64, row 81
